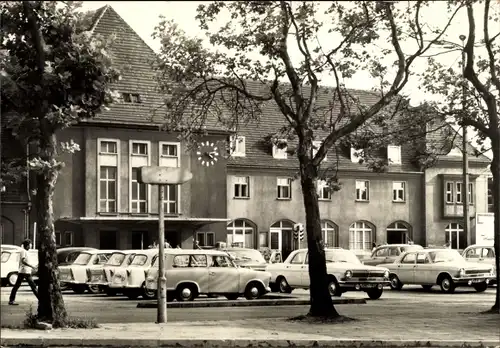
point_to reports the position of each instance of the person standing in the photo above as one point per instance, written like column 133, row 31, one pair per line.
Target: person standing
column 24, row 273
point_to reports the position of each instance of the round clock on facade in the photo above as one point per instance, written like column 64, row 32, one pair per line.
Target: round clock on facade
column 207, row 153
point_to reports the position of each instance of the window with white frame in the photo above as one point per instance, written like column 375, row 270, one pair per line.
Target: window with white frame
column 241, row 232
column 471, row 193
column 356, row 155
column 205, row 238
column 459, row 197
column 455, row 236
column 362, row 190
column 449, row 189
column 360, row 236
column 394, row 154
column 108, row 163
column 169, row 154
column 171, row 201
column 324, row 192
column 398, row 191
column 490, row 195
column 328, row 232
column 238, row 145
column 280, row 152
column 68, row 238
column 284, row 188
column 316, row 145
column 140, row 155
column 241, row 187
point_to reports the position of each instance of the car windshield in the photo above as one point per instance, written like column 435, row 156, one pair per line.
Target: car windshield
column 247, row 255
column 446, row 256
column 139, row 260
column 83, row 259
column 116, row 259
column 5, row 256
column 341, row 256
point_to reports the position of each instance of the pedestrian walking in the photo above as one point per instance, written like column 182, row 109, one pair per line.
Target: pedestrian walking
column 24, row 273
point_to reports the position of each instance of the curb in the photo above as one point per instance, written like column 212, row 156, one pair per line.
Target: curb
column 247, row 303
column 233, row 343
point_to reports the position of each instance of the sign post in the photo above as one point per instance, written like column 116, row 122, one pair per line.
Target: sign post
column 162, row 176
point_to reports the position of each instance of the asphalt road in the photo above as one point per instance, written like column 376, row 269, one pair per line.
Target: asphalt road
column 412, row 300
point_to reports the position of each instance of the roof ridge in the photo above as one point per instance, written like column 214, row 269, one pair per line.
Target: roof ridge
column 98, row 17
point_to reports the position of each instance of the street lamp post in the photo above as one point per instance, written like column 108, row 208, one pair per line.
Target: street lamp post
column 465, row 160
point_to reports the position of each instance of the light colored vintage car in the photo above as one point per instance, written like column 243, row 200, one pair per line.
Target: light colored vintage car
column 10, row 264
column 75, row 276
column 99, row 275
column 191, row 273
column 443, row 267
column 248, row 258
column 131, row 280
column 345, row 273
column 481, row 254
column 389, row 253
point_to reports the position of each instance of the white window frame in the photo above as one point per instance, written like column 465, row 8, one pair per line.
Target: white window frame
column 470, row 192
column 148, row 187
column 322, row 187
column 238, row 142
column 105, row 159
column 68, row 233
column 397, row 190
column 280, row 185
column 162, row 159
column 454, row 227
column 459, row 197
column 280, row 153
column 316, row 145
column 391, row 158
column 235, row 182
column 167, row 202
column 449, row 193
column 327, row 226
column 353, row 229
column 359, row 195
column 356, row 155
column 232, row 229
column 205, row 234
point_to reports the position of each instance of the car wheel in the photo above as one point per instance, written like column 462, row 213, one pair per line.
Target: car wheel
column 232, row 297
column 254, row 291
column 283, row 286
column 94, row 289
column 131, row 294
column 427, row 287
column 481, row 287
column 333, row 287
column 148, row 294
column 446, row 284
column 394, row 282
column 375, row 294
column 186, row 292
column 12, row 278
column 79, row 289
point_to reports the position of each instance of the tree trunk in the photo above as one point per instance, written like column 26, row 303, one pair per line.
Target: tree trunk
column 495, row 170
column 50, row 304
column 321, row 300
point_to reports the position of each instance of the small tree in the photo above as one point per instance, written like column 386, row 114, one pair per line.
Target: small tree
column 228, row 88
column 472, row 96
column 54, row 73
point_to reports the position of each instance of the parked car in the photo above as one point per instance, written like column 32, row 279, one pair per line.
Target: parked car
column 191, row 273
column 271, row 255
column 10, row 264
column 482, row 254
column 389, row 253
column 131, row 280
column 345, row 273
column 10, row 247
column 98, row 275
column 66, row 256
column 74, row 275
column 443, row 267
column 249, row 258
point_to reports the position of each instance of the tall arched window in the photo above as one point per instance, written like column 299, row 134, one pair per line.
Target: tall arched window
column 456, row 236
column 361, row 236
column 241, row 232
column 329, row 234
column 398, row 232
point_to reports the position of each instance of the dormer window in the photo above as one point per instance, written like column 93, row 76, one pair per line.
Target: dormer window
column 238, row 146
column 131, row 98
column 356, row 155
column 394, row 154
column 279, row 149
column 455, row 152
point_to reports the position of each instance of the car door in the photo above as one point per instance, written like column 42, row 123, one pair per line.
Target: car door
column 378, row 257
column 304, row 273
column 392, row 254
column 422, row 273
column 405, row 268
column 473, row 254
column 293, row 270
column 223, row 276
column 487, row 256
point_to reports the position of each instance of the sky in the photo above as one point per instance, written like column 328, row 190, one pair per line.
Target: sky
column 143, row 16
